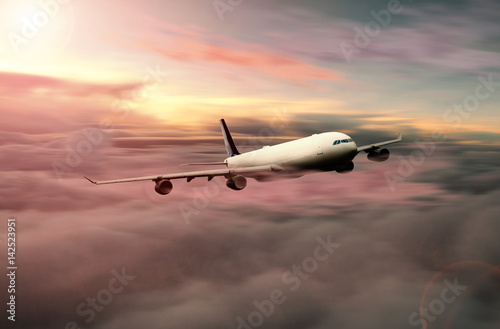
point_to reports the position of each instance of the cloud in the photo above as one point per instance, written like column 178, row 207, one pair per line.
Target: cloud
column 239, row 57
column 434, row 35
column 236, row 249
column 20, row 84
column 210, row 272
column 475, row 172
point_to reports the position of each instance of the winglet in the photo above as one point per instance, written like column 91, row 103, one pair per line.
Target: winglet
column 400, row 137
column 90, row 180
column 228, row 140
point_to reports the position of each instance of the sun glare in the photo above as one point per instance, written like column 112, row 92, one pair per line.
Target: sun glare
column 35, row 30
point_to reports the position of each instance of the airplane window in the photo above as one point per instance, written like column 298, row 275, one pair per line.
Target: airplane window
column 350, row 140
column 336, row 142
column 344, row 141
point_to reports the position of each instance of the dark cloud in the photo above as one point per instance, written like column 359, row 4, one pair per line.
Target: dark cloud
column 434, row 35
column 475, row 171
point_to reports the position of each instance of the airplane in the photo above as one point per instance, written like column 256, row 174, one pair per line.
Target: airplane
column 328, row 151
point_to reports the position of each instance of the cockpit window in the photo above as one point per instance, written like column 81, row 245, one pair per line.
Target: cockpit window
column 343, row 141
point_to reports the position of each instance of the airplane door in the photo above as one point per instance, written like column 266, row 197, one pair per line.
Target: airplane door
column 320, row 145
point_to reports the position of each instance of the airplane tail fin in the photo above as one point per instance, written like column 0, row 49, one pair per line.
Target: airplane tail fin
column 228, row 140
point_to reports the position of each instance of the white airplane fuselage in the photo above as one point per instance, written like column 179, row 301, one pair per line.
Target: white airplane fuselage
column 316, row 152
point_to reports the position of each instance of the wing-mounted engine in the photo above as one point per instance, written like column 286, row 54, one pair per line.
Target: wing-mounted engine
column 378, row 155
column 236, row 183
column 163, row 186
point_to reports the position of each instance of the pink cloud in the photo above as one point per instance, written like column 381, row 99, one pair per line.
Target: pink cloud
column 22, row 84
column 263, row 61
column 194, row 44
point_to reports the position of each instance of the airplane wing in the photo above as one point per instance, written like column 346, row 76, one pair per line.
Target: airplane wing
column 227, row 172
column 368, row 148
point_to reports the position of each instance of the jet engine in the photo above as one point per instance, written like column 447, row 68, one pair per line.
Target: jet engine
column 345, row 169
column 379, row 155
column 163, row 187
column 236, row 183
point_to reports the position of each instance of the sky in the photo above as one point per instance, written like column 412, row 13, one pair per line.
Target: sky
column 131, row 88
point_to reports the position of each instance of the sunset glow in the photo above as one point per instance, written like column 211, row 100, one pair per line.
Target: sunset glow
column 125, row 88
